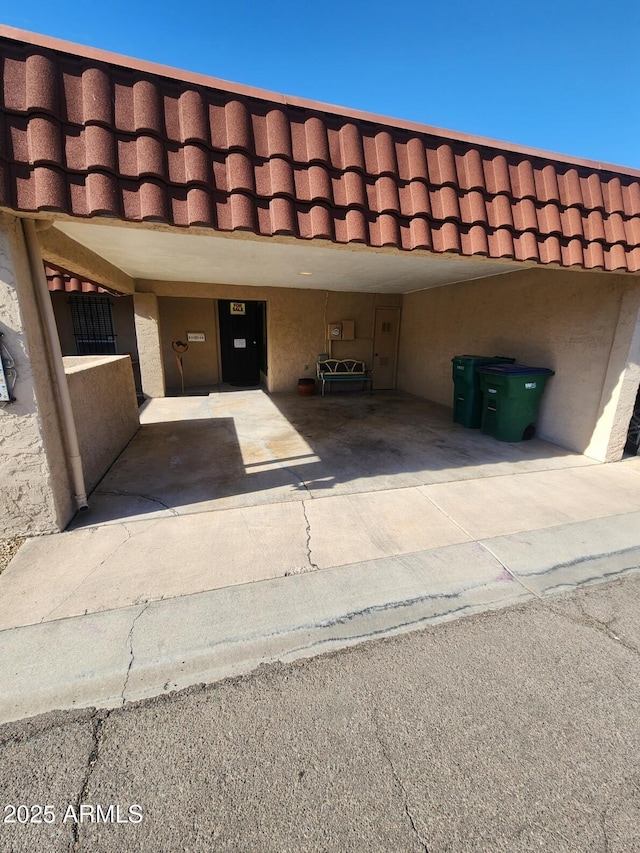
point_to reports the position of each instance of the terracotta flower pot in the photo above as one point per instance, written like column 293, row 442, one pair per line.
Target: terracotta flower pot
column 306, row 387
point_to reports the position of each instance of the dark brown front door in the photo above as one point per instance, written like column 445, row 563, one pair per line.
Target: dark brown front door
column 240, row 341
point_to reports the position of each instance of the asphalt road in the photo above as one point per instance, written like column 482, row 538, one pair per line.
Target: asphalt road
column 516, row 730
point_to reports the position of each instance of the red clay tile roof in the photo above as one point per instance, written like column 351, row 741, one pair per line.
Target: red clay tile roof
column 61, row 281
column 87, row 133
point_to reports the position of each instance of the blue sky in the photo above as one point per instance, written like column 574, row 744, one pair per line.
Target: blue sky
column 563, row 75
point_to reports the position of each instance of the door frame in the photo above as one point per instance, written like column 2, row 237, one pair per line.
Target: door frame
column 263, row 379
column 398, row 311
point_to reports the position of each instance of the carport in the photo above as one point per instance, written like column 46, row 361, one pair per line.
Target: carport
column 245, row 448
column 197, row 197
column 377, row 496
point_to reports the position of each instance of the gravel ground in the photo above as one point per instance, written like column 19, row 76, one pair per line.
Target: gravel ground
column 8, row 550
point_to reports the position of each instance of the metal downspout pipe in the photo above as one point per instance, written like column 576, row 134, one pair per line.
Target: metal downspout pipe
column 40, row 281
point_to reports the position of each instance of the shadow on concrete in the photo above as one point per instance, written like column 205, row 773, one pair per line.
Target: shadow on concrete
column 389, row 434
column 250, row 448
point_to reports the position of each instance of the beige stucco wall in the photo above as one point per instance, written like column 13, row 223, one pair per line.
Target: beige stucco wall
column 147, row 325
column 200, row 362
column 296, row 322
column 123, row 327
column 35, row 489
column 547, row 318
column 620, row 387
column 105, row 409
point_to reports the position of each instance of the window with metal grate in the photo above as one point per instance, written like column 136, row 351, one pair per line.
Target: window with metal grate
column 92, row 324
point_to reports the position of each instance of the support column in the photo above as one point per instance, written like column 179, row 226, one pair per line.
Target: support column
column 35, row 489
column 149, row 347
column 621, row 382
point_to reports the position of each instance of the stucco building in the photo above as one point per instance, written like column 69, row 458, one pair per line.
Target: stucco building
column 253, row 221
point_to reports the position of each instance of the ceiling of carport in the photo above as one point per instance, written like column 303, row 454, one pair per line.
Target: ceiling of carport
column 164, row 255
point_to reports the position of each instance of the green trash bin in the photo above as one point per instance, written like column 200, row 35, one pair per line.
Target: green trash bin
column 511, row 398
column 467, row 394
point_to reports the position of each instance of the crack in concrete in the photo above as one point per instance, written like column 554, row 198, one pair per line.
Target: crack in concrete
column 312, row 565
column 286, row 468
column 606, row 628
column 97, row 722
column 132, row 655
column 509, row 571
column 109, row 556
column 15, row 740
column 141, row 496
column 588, row 620
column 398, row 605
column 603, row 826
column 482, row 544
column 574, row 585
column 300, row 480
column 399, row 784
column 427, row 620
column 386, row 631
column 590, row 558
column 263, row 444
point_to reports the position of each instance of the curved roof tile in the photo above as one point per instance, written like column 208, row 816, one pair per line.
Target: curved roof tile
column 87, row 133
column 62, row 281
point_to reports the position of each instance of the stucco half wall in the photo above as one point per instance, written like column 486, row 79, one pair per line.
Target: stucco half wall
column 564, row 320
column 35, row 489
column 105, row 409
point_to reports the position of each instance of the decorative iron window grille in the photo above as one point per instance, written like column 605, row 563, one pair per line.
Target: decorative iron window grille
column 92, row 324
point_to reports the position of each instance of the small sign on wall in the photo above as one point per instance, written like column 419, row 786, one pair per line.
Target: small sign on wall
column 196, row 337
column 238, row 308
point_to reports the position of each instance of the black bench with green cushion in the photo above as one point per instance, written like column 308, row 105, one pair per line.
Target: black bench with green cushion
column 343, row 370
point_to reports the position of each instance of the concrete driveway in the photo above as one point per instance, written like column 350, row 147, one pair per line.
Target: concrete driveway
column 232, row 488
column 239, row 527
column 245, row 448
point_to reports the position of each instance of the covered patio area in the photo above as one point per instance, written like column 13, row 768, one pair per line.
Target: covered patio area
column 233, row 488
column 248, row 234
column 248, row 448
